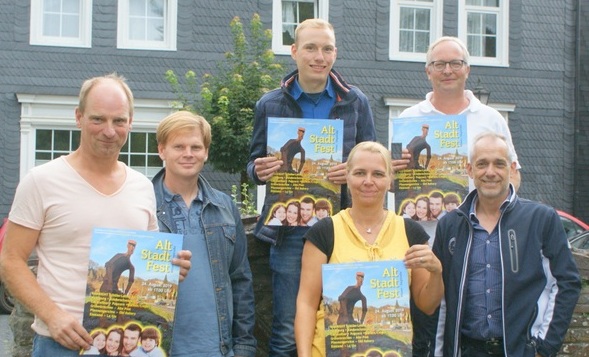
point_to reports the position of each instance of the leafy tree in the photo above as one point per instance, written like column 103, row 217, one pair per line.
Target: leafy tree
column 228, row 97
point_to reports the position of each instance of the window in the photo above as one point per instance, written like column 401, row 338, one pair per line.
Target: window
column 414, row 25
column 147, row 24
column 51, row 144
column 140, row 153
column 287, row 14
column 66, row 23
column 484, row 27
column 48, row 131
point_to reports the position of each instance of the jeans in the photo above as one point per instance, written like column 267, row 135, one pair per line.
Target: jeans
column 285, row 263
column 44, row 346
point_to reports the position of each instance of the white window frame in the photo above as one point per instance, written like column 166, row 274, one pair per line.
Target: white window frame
column 277, row 47
column 502, row 12
column 57, row 113
column 436, row 27
column 84, row 38
column 396, row 107
column 170, row 29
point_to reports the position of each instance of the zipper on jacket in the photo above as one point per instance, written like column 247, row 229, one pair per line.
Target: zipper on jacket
column 513, row 250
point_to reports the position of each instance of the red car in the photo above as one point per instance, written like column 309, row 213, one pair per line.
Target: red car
column 572, row 225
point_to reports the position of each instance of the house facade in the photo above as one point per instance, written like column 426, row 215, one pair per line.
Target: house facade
column 531, row 56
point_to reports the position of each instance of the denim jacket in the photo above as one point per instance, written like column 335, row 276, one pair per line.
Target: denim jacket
column 227, row 248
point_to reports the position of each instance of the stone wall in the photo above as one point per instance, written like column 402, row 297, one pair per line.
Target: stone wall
column 576, row 341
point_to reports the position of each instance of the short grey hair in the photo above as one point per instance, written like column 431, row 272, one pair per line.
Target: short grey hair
column 465, row 54
column 490, row 134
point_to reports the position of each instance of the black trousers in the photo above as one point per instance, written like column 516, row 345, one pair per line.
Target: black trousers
column 424, row 331
column 475, row 348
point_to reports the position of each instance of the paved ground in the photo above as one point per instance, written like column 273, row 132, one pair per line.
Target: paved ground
column 5, row 337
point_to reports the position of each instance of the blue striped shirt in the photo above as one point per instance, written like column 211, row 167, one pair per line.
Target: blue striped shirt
column 482, row 314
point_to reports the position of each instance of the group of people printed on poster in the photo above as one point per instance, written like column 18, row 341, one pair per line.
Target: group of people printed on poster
column 378, row 353
column 305, row 211
column 128, row 340
column 429, row 207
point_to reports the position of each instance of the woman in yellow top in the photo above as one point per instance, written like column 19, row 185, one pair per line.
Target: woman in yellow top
column 365, row 232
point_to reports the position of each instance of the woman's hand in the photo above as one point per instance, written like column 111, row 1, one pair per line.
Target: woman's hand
column 421, row 256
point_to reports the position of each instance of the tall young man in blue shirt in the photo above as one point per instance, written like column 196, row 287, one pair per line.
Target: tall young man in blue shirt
column 313, row 90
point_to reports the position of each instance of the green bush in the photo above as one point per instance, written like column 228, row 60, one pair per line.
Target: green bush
column 228, row 97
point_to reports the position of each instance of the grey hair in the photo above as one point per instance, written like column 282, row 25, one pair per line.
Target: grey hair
column 465, row 54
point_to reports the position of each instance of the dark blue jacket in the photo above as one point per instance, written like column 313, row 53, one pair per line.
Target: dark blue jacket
column 351, row 106
column 540, row 286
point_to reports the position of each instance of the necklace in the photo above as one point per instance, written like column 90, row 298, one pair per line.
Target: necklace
column 368, row 230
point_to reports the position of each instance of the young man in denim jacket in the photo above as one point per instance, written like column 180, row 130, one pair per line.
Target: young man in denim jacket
column 215, row 307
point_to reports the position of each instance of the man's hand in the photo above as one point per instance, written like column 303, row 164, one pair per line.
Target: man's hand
column 67, row 331
column 265, row 167
column 402, row 163
column 183, row 261
column 337, row 174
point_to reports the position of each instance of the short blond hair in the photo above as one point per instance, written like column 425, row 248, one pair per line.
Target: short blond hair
column 375, row 148
column 313, row 24
column 182, row 121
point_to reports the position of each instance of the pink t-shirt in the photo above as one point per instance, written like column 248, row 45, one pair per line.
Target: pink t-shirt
column 55, row 200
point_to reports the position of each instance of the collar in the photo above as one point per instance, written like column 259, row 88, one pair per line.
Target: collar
column 472, row 209
column 169, row 196
column 474, row 105
column 296, row 91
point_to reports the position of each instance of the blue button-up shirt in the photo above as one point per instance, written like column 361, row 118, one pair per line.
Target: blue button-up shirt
column 482, row 315
column 314, row 106
column 193, row 300
column 219, row 260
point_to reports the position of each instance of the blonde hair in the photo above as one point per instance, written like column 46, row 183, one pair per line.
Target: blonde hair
column 313, row 24
column 180, row 121
column 375, row 148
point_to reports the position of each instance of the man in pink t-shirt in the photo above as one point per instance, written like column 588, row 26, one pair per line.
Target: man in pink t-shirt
column 55, row 208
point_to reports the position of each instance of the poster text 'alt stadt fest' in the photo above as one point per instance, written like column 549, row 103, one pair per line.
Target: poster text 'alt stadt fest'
column 439, row 149
column 308, row 148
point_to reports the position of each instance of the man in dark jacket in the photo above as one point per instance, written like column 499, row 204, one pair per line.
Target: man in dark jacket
column 511, row 283
column 313, row 91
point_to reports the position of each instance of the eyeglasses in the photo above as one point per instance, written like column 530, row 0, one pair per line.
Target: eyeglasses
column 455, row 65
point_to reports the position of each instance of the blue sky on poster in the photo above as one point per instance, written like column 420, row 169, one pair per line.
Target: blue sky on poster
column 108, row 242
column 337, row 277
column 404, row 129
column 280, row 130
